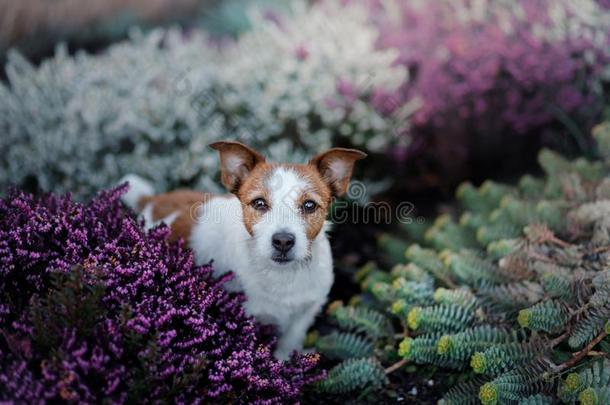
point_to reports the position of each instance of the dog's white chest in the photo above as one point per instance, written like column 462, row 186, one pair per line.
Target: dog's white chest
column 278, row 298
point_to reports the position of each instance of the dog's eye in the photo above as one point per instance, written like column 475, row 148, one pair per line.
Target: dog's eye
column 309, row 206
column 259, row 204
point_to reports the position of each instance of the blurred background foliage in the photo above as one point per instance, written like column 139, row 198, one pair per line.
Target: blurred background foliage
column 481, row 81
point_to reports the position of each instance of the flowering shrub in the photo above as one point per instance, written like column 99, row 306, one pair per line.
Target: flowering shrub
column 152, row 104
column 487, row 69
column 514, row 297
column 511, row 58
column 93, row 308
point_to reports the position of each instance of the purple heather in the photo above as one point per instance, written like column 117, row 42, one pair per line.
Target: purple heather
column 161, row 329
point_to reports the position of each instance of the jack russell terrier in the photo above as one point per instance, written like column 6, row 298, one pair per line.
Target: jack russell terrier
column 270, row 231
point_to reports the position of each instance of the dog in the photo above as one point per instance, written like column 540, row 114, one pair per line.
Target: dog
column 270, row 231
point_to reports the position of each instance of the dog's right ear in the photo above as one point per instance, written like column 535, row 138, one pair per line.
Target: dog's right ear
column 236, row 162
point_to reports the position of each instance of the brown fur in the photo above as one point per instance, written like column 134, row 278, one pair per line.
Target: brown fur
column 244, row 172
column 324, row 164
column 232, row 176
column 254, row 187
column 320, row 193
column 184, row 202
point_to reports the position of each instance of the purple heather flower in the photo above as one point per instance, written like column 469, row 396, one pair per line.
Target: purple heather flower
column 495, row 70
column 162, row 329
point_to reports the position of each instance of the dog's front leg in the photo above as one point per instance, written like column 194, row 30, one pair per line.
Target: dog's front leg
column 294, row 334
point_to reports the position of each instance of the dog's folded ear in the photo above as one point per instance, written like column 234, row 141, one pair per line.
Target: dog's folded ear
column 336, row 166
column 236, row 162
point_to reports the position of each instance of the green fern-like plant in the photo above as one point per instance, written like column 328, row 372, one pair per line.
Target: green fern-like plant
column 461, row 346
column 352, row 375
column 537, row 399
column 463, row 394
column 344, row 346
column 513, row 291
column 500, row 358
column 512, row 386
column 360, row 319
column 423, row 350
column 440, row 318
column 547, row 316
column 595, row 376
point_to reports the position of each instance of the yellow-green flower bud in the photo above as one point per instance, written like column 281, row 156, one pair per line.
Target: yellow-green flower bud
column 404, row 348
column 413, row 318
column 478, row 363
column 440, row 294
column 523, row 318
column 399, row 307
column 588, row 397
column 572, row 382
column 444, row 344
column 488, row 394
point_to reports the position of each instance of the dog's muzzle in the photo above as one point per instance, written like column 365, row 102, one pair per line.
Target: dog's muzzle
column 282, row 243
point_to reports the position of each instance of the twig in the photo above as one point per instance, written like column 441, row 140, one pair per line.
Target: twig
column 580, row 310
column 558, row 339
column 396, row 366
column 595, row 353
column 559, row 242
column 576, row 357
column 600, row 249
column 539, row 257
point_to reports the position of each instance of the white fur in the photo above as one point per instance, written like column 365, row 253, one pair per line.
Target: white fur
column 149, row 222
column 287, row 295
column 138, row 188
column 284, row 216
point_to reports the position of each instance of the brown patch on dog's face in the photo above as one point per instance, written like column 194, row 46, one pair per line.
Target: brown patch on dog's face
column 318, row 192
column 254, row 188
column 246, row 174
column 257, row 190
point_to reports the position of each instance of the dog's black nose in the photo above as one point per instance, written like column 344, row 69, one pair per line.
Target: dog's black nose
column 282, row 241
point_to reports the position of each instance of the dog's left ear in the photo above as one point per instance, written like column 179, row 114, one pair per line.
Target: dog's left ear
column 336, row 166
column 236, row 162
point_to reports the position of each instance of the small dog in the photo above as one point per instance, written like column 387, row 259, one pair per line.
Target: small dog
column 271, row 231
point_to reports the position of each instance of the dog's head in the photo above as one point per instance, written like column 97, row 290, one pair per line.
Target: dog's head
column 284, row 205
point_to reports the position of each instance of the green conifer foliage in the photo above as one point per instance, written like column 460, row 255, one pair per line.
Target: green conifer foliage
column 513, row 292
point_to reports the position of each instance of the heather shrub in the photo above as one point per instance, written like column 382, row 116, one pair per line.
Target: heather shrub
column 152, row 104
column 509, row 295
column 490, row 72
column 93, row 308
